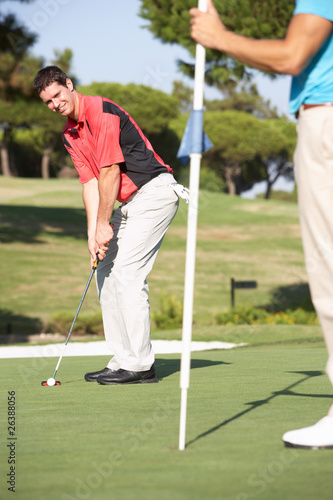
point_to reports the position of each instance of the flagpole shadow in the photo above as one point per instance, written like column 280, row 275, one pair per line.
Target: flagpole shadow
column 255, row 404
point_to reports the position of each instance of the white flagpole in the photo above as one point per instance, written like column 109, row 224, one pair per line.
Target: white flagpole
column 199, row 77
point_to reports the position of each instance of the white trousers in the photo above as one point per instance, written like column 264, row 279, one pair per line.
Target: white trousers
column 314, row 177
column 139, row 227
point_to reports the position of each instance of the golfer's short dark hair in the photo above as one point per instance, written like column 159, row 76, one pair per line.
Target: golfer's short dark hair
column 47, row 76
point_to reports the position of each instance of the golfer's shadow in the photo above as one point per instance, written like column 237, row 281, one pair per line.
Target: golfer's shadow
column 167, row 367
column 255, row 404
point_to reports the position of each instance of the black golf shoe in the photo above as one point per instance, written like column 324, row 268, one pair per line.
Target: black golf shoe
column 93, row 376
column 121, row 376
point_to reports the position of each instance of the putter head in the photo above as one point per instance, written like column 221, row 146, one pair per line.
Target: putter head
column 45, row 383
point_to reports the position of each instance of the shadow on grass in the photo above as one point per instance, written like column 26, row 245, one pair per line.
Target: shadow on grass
column 255, row 404
column 166, row 367
column 25, row 224
column 17, row 324
column 290, row 297
column 288, row 392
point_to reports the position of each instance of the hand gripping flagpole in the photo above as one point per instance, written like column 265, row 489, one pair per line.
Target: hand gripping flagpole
column 199, row 76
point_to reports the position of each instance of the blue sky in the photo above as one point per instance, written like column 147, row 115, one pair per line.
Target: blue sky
column 110, row 44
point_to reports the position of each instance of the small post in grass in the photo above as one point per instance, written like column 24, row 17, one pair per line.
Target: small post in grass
column 240, row 284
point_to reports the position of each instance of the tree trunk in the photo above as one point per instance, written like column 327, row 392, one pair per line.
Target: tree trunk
column 270, row 183
column 230, row 182
column 231, row 173
column 5, row 160
column 4, row 154
column 268, row 190
column 46, row 162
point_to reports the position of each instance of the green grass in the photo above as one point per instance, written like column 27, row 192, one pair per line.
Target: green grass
column 85, row 441
column 253, row 335
column 89, row 442
column 44, row 260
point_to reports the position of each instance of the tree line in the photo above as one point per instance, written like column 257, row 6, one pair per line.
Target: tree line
column 251, row 141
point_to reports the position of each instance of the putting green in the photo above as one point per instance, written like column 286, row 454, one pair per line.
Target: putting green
column 85, row 441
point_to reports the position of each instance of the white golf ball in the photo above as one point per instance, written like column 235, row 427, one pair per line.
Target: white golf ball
column 50, row 381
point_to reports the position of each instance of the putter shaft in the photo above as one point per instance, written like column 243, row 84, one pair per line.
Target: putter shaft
column 77, row 313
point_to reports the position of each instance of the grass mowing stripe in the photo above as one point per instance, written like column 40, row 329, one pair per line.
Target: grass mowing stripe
column 82, row 440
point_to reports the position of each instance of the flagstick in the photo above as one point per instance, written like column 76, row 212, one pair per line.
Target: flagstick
column 188, row 294
column 191, row 243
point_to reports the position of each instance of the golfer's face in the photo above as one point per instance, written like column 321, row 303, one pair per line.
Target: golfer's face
column 60, row 99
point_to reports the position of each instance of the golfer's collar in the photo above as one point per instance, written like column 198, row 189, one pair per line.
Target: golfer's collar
column 72, row 124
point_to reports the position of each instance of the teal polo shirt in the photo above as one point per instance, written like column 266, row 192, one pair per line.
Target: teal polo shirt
column 315, row 84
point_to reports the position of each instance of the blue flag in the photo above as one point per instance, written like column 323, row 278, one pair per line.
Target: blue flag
column 194, row 139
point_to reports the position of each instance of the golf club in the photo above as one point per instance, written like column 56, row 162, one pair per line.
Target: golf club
column 51, row 381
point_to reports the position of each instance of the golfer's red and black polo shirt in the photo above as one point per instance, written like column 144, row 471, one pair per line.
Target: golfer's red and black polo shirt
column 104, row 135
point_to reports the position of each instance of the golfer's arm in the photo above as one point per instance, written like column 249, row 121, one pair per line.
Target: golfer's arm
column 305, row 35
column 90, row 197
column 108, row 187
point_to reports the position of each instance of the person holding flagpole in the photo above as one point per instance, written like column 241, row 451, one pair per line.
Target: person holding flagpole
column 306, row 53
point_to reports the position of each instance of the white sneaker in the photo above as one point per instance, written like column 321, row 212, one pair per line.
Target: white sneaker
column 315, row 437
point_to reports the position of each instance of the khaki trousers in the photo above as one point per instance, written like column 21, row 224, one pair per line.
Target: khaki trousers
column 139, row 227
column 314, row 177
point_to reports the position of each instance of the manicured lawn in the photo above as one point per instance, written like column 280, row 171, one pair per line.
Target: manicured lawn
column 44, row 262
column 85, row 441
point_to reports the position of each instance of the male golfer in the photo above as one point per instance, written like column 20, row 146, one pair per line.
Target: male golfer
column 306, row 53
column 115, row 161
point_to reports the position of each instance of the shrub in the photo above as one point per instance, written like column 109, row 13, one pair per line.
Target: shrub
column 255, row 316
column 281, row 196
column 211, row 181
column 170, row 315
column 91, row 324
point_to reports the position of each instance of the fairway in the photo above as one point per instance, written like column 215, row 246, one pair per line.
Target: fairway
column 85, row 441
column 45, row 265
